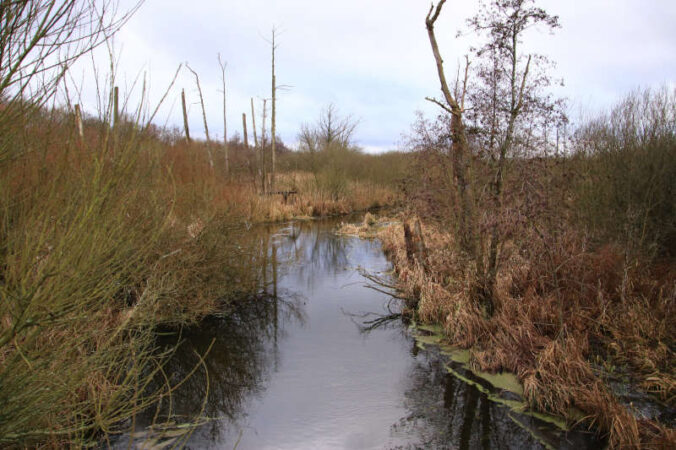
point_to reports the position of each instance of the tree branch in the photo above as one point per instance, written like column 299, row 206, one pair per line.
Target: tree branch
column 164, row 97
column 523, row 85
column 429, row 23
column 431, row 20
column 438, row 103
column 464, row 83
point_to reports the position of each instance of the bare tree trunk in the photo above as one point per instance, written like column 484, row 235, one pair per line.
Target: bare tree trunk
column 266, row 183
column 78, row 123
column 116, row 107
column 246, row 136
column 253, row 120
column 420, row 244
column 185, row 117
column 469, row 235
column 460, row 146
column 408, row 240
column 494, row 106
column 257, row 150
column 204, row 116
column 516, row 103
column 274, row 114
column 225, row 120
column 246, row 149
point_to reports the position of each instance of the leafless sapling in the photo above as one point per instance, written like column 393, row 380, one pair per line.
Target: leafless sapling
column 204, row 115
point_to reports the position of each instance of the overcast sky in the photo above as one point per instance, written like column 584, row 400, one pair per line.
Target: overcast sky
column 371, row 58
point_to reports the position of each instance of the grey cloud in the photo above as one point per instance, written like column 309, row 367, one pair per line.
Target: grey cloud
column 371, row 57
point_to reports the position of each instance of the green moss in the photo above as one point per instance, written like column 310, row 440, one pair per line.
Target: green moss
column 434, row 329
column 455, row 354
column 537, row 435
column 506, row 381
column 517, row 406
column 428, row 340
column 502, row 381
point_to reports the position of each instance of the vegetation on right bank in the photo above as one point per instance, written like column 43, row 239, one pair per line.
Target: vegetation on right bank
column 547, row 255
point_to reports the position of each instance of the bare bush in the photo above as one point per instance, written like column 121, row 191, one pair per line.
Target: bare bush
column 628, row 158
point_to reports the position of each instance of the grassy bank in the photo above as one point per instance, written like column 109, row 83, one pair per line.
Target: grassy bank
column 585, row 293
column 567, row 350
column 103, row 238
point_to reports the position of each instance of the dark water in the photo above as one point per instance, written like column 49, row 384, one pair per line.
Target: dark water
column 299, row 371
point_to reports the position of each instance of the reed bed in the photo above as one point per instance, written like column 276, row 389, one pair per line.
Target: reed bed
column 103, row 239
column 562, row 325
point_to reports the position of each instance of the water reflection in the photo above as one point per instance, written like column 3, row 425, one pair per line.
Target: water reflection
column 318, row 360
column 447, row 413
column 244, row 349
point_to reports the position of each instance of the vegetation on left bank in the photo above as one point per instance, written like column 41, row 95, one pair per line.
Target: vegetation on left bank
column 110, row 230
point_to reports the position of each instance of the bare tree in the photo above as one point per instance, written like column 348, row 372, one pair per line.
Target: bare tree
column 334, row 129
column 253, row 120
column 257, row 149
column 78, row 123
column 44, row 37
column 469, row 235
column 225, row 120
column 264, row 144
column 308, row 142
column 185, row 117
column 307, row 138
column 246, row 135
column 273, row 125
column 204, row 115
column 506, row 88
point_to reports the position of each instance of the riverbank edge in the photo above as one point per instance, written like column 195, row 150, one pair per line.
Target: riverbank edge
column 503, row 389
column 416, row 280
column 217, row 307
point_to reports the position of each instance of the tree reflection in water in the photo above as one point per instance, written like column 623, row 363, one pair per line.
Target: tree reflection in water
column 238, row 364
column 446, row 413
column 337, row 385
column 241, row 345
column 244, row 339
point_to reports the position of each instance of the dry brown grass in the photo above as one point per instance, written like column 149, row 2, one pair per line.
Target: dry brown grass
column 240, row 197
column 103, row 240
column 560, row 306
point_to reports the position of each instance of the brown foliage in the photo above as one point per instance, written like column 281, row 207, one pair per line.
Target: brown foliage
column 561, row 306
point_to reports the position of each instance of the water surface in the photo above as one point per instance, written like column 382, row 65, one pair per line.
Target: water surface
column 298, row 370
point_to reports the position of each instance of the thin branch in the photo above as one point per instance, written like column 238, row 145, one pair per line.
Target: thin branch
column 429, row 23
column 436, row 13
column 523, row 85
column 225, row 120
column 157, row 108
column 204, row 114
column 441, row 105
column 464, row 83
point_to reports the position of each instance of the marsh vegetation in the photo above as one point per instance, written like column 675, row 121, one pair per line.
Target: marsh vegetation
column 532, row 245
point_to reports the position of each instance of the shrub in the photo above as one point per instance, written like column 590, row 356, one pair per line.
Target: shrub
column 628, row 186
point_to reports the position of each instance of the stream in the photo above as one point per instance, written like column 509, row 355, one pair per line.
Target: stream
column 311, row 367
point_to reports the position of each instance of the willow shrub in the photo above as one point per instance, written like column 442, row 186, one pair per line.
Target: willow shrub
column 628, row 182
column 96, row 249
